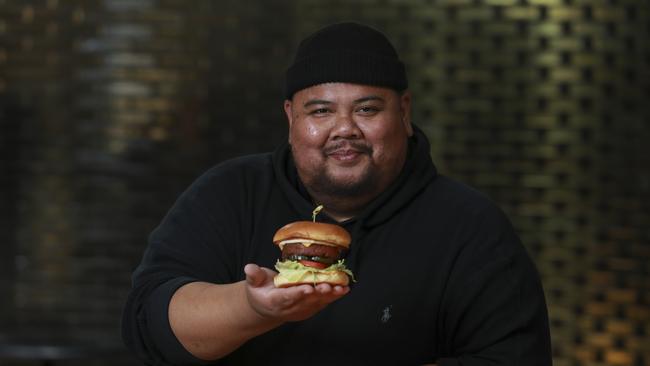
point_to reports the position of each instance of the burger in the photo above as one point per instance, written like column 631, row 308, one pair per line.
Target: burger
column 311, row 254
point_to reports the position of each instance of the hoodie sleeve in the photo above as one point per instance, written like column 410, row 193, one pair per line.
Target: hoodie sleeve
column 190, row 244
column 494, row 311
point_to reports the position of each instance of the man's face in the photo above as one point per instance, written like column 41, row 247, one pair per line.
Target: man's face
column 347, row 139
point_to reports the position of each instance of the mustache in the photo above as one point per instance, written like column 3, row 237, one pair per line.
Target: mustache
column 347, row 145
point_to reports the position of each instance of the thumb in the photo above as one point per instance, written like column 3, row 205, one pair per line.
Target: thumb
column 255, row 276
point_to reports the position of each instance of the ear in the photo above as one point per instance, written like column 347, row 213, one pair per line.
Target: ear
column 405, row 105
column 288, row 111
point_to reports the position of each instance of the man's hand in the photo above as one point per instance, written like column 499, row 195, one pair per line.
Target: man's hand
column 201, row 313
column 287, row 304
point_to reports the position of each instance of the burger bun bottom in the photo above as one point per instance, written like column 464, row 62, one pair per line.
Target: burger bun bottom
column 334, row 278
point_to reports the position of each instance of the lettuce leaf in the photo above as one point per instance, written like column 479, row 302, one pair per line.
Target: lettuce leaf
column 291, row 269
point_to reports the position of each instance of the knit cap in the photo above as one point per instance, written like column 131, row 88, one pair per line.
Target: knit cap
column 345, row 52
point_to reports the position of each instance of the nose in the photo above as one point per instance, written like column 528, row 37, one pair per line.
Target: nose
column 345, row 127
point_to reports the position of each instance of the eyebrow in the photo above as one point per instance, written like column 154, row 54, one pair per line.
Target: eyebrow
column 356, row 101
column 369, row 98
column 316, row 101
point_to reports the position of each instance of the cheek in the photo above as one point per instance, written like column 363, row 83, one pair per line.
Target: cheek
column 313, row 132
column 387, row 147
column 308, row 134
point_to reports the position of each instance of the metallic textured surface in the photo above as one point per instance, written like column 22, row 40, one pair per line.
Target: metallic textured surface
column 108, row 109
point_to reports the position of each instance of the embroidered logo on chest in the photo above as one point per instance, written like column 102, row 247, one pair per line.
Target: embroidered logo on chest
column 386, row 314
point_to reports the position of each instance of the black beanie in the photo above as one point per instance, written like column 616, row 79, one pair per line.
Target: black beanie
column 345, row 52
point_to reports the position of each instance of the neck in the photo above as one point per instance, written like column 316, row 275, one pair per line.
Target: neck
column 340, row 208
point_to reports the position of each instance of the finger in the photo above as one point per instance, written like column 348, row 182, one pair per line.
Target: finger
column 337, row 290
column 331, row 293
column 324, row 288
column 269, row 272
column 341, row 290
column 303, row 290
column 287, row 297
column 255, row 276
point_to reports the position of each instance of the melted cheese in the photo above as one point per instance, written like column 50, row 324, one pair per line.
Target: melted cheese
column 305, row 242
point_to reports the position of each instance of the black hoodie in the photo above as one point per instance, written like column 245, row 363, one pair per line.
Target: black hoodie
column 440, row 273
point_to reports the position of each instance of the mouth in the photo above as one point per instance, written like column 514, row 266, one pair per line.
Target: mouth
column 347, row 153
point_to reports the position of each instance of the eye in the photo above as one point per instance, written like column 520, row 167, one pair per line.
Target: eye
column 368, row 110
column 319, row 111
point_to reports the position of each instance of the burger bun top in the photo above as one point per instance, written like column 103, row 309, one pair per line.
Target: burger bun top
column 330, row 234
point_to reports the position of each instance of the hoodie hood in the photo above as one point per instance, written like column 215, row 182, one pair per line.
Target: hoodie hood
column 416, row 174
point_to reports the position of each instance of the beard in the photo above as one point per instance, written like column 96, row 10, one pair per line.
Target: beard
column 324, row 183
column 321, row 181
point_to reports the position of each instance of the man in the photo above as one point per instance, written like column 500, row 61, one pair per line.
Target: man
column 441, row 277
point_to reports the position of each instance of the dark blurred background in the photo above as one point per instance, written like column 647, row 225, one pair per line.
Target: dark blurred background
column 110, row 108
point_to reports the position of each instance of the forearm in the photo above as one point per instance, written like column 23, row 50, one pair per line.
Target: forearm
column 211, row 321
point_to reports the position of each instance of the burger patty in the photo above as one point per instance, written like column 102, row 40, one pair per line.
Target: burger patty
column 314, row 250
